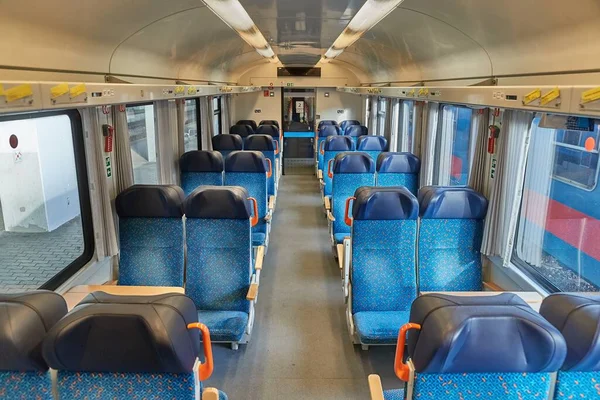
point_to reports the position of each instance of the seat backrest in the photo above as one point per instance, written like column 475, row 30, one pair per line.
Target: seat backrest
column 398, row 169
column 326, row 122
column 250, row 122
column 219, row 266
column 269, row 122
column 267, row 145
column 323, row 133
column 489, row 346
column 384, row 234
column 151, row 235
column 200, row 167
column 356, row 131
column 349, row 122
column 242, row 130
column 225, row 144
column 450, row 235
column 372, row 145
column 332, row 147
column 119, row 345
column 270, row 130
column 351, row 170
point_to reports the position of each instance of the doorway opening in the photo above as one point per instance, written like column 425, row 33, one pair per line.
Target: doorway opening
column 298, row 131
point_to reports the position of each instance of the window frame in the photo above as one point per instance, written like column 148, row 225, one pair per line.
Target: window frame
column 196, row 101
column 571, row 182
column 83, row 191
column 153, row 104
column 381, row 120
column 217, row 112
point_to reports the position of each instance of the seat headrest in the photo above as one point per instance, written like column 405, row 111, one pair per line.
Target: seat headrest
column 353, row 163
column 329, row 130
column 201, row 161
column 128, row 334
column 373, row 143
column 227, row 142
column 269, row 122
column 326, row 122
column 150, row 201
column 250, row 122
column 338, row 143
column 398, row 163
column 482, row 334
column 356, row 131
column 452, row 203
column 349, row 122
column 384, row 203
column 241, row 130
column 25, row 319
column 260, row 143
column 246, row 161
column 577, row 317
column 218, row 202
column 270, row 130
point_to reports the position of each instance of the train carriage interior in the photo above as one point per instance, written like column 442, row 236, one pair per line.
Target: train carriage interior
column 318, row 199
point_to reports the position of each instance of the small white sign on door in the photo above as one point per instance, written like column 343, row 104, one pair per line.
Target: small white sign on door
column 299, row 107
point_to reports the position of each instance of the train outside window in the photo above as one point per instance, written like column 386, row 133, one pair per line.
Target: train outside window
column 216, row 106
column 190, row 130
column 559, row 218
column 407, row 126
column 142, row 139
column 453, row 146
column 382, row 116
column 41, row 230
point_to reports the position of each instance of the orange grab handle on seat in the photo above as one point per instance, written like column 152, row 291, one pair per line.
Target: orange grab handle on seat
column 329, row 171
column 276, row 147
column 402, row 370
column 322, row 147
column 270, row 171
column 206, row 369
column 347, row 218
column 254, row 219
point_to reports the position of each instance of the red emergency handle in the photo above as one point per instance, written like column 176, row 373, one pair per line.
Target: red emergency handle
column 108, row 133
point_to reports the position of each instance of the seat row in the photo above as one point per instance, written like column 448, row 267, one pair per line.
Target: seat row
column 246, row 128
column 399, row 246
column 333, row 145
column 204, row 243
column 352, row 170
column 107, row 347
column 497, row 347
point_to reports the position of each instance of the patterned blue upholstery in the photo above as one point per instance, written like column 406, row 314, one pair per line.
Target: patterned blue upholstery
column 25, row 385
column 344, row 186
column 225, row 326
column 266, row 145
column 334, row 145
column 200, row 167
column 356, row 131
column 323, row 133
column 190, row 181
column 256, row 185
column 398, row 169
column 409, row 181
column 372, row 145
column 151, row 251
column 578, row 385
column 393, row 394
column 380, row 327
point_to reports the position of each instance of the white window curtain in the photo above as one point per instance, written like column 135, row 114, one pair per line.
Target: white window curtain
column 105, row 236
column 123, row 174
column 181, row 127
column 396, row 138
column 536, row 195
column 404, row 128
column 225, row 114
column 501, row 221
column 428, row 140
column 206, row 122
column 367, row 105
column 167, row 141
column 445, row 140
column 373, row 116
column 479, row 136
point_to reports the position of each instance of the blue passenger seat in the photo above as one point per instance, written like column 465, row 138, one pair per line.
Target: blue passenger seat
column 25, row 319
column 577, row 317
column 450, row 236
column 130, row 347
column 356, row 131
column 372, row 145
column 471, row 348
column 267, row 145
column 349, row 122
column 220, row 268
column 326, row 122
column 399, row 169
column 331, row 148
column 383, row 280
column 324, row 132
column 351, row 170
column 250, row 122
column 225, row 144
column 250, row 170
column 274, row 132
column 200, row 167
column 151, row 235
column 269, row 122
column 241, row 130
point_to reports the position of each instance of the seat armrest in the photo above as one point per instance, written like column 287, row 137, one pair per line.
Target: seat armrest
column 340, row 254
column 347, row 251
column 252, row 292
column 271, row 203
column 210, row 394
column 320, row 174
column 260, row 255
column 327, row 203
column 330, row 216
column 375, row 387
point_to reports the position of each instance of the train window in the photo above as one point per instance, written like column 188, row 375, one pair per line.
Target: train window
column 191, row 125
column 216, row 105
column 559, row 223
column 407, row 125
column 453, row 143
column 142, row 140
column 45, row 228
column 381, row 116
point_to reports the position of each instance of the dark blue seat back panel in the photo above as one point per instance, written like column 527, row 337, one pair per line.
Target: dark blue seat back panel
column 466, row 334
column 356, row 131
column 225, row 144
column 269, row 122
column 353, row 163
column 219, row 202
column 151, row 235
column 345, row 124
column 398, row 169
column 380, row 204
column 248, row 122
column 372, row 145
column 241, row 130
column 199, row 168
column 246, row 161
column 453, row 203
column 270, row 130
column 265, row 144
column 344, row 185
column 324, row 132
column 333, row 146
column 326, row 122
column 248, row 170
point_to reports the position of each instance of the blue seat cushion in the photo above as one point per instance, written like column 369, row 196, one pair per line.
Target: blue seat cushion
column 393, row 394
column 339, row 237
column 258, row 238
column 224, row 326
column 379, row 327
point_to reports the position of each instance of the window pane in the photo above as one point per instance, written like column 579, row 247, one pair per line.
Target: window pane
column 190, row 130
column 453, row 146
column 40, row 215
column 559, row 222
column 142, row 139
column 407, row 127
column 381, row 113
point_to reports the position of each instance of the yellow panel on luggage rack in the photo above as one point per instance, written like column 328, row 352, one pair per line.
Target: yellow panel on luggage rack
column 550, row 96
column 18, row 92
column 59, row 90
column 532, row 96
column 590, row 95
